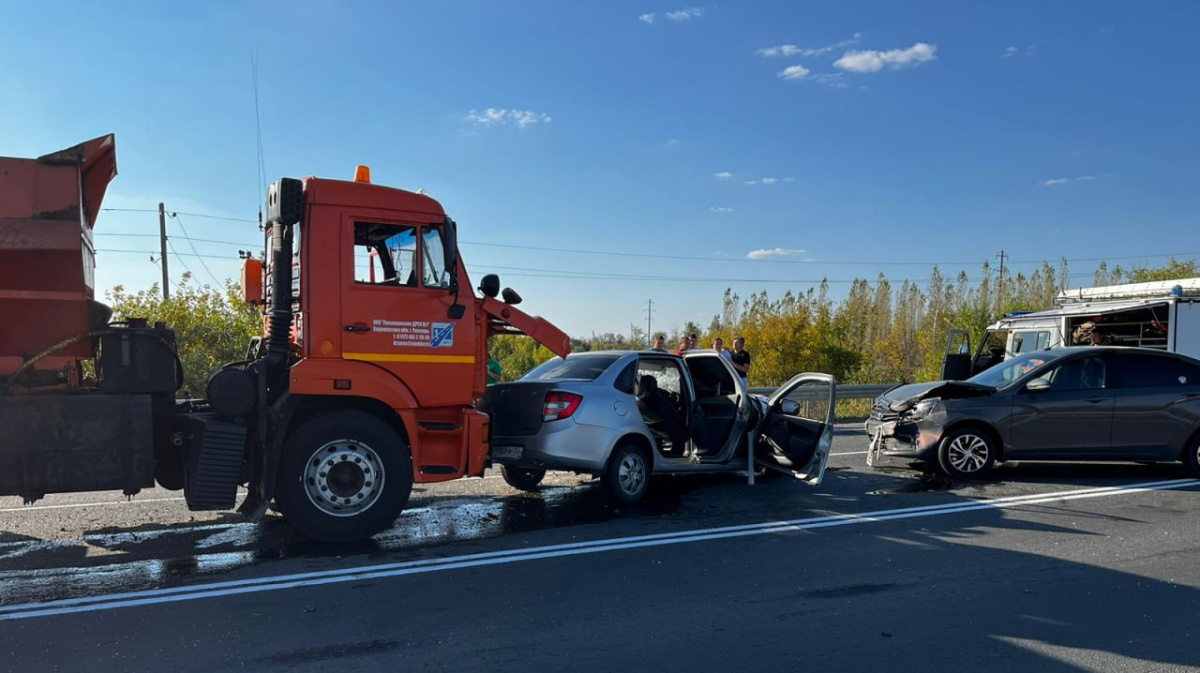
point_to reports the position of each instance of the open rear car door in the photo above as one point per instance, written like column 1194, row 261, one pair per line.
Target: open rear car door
column 797, row 433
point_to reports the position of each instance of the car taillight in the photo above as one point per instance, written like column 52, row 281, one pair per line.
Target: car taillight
column 559, row 405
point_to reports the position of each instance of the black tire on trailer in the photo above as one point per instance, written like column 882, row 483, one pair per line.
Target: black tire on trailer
column 523, row 478
column 627, row 475
column 343, row 476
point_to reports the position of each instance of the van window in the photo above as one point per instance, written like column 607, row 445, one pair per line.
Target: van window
column 1029, row 341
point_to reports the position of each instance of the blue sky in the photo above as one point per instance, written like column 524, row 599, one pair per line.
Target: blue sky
column 752, row 145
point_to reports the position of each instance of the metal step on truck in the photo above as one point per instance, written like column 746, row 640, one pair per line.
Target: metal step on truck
column 1163, row 315
column 370, row 374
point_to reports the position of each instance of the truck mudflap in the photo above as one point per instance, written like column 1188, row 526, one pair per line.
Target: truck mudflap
column 67, row 443
column 215, row 457
column 508, row 319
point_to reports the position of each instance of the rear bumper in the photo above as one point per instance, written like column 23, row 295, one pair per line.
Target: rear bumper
column 559, row 445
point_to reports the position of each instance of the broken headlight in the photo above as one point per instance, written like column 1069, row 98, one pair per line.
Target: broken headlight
column 924, row 408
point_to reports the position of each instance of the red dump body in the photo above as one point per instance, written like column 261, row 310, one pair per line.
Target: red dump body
column 48, row 206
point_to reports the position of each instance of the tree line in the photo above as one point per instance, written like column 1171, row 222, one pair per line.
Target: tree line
column 879, row 332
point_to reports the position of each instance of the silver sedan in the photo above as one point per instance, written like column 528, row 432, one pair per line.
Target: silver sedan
column 624, row 415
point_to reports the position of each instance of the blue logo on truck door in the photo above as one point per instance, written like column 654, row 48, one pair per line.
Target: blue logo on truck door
column 441, row 335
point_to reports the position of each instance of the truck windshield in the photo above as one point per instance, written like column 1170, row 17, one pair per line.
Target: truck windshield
column 579, row 368
column 1003, row 374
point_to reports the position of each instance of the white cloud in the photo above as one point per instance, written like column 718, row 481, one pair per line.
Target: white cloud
column 794, row 72
column 774, row 253
column 501, row 116
column 752, row 182
column 1057, row 182
column 874, row 61
column 769, row 181
column 1009, row 52
column 685, row 14
column 720, row 209
column 788, row 50
column 833, row 80
column 723, row 175
column 781, row 50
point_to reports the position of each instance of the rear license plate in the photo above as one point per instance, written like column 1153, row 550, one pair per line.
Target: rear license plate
column 507, row 453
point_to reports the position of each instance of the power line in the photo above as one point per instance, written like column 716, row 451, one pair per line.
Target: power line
column 179, row 257
column 193, row 246
column 201, row 215
column 154, row 252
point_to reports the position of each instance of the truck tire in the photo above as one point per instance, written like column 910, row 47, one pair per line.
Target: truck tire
column 343, row 476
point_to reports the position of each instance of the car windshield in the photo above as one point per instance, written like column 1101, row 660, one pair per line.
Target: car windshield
column 579, row 368
column 1006, row 372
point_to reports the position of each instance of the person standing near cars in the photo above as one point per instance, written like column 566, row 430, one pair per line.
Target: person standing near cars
column 660, row 343
column 740, row 358
column 685, row 344
column 718, row 344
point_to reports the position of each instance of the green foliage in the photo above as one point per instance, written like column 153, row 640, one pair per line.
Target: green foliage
column 212, row 326
column 878, row 333
column 517, row 355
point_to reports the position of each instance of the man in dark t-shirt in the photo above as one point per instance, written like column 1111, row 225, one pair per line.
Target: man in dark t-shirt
column 740, row 357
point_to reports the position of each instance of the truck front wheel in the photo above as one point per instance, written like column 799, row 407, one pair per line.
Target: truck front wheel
column 344, row 476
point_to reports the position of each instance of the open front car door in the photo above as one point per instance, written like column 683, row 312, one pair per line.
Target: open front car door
column 797, row 433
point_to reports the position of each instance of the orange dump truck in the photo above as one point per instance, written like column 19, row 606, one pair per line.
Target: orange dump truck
column 368, row 376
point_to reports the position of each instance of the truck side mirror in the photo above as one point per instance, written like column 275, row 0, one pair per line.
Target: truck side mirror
column 450, row 250
column 285, row 202
column 489, row 285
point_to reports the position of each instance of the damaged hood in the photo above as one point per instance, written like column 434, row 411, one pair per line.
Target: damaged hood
column 902, row 397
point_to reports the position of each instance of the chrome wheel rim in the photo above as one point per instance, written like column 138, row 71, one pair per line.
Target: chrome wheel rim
column 343, row 478
column 968, row 453
column 631, row 474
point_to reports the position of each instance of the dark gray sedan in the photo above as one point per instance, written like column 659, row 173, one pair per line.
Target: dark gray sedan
column 1068, row 404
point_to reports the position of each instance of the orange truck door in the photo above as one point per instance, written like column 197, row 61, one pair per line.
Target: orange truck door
column 395, row 316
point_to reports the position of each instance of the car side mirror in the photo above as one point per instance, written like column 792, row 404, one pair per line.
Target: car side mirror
column 789, row 408
column 1037, row 385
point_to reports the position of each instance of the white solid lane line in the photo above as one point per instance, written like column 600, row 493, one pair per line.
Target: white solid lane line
column 217, row 589
column 123, row 503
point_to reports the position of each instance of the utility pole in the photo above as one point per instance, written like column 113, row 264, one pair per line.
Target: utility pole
column 649, row 311
column 162, row 242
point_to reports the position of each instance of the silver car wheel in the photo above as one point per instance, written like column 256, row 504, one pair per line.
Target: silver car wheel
column 631, row 474
column 343, row 478
column 968, row 453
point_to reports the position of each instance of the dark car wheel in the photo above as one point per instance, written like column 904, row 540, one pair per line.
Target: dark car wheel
column 343, row 476
column 967, row 453
column 627, row 475
column 1191, row 456
column 523, row 478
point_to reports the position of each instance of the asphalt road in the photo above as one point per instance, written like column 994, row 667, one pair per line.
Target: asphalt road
column 1041, row 568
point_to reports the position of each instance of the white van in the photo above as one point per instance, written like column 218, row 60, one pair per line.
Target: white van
column 1163, row 315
